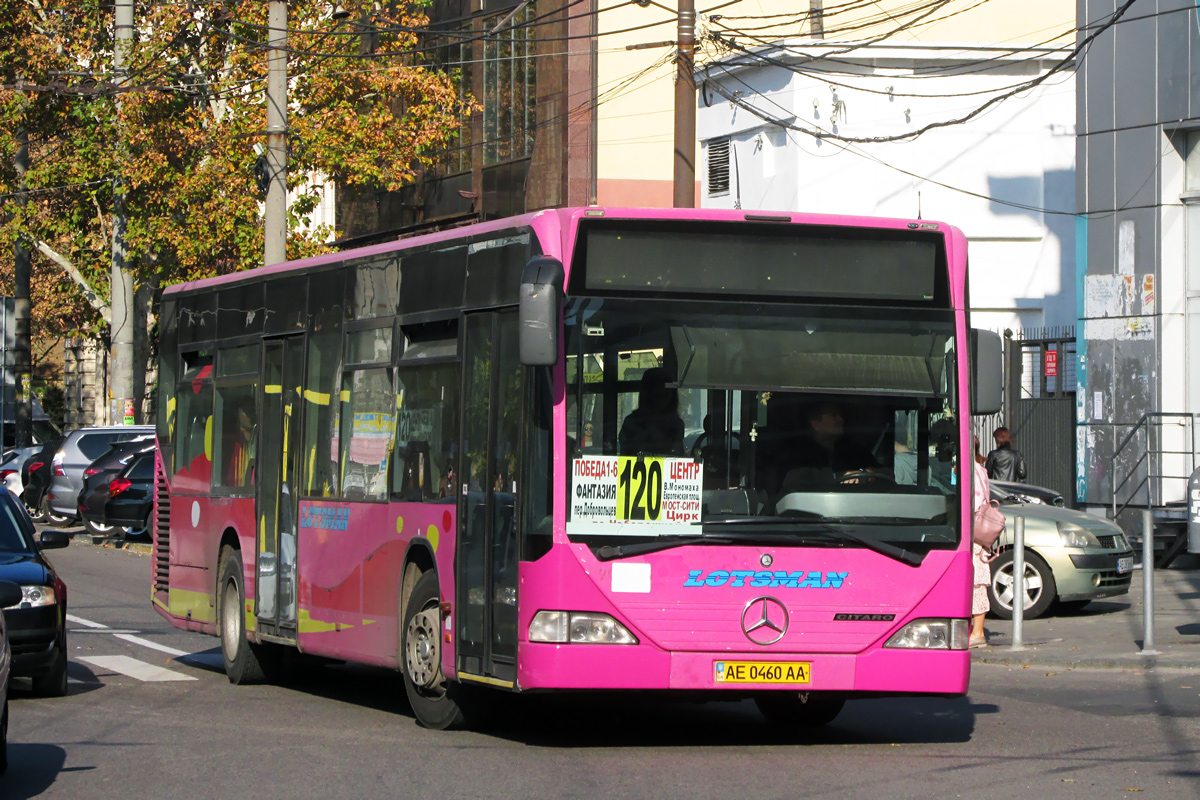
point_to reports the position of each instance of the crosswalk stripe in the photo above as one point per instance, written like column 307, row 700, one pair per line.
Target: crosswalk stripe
column 136, row 669
column 87, row 623
column 162, row 648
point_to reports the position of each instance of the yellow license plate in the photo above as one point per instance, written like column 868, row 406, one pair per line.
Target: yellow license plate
column 762, row 671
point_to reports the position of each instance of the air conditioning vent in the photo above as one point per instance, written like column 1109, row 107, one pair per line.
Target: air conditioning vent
column 718, row 167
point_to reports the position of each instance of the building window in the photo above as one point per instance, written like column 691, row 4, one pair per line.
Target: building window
column 450, row 49
column 718, row 167
column 509, row 89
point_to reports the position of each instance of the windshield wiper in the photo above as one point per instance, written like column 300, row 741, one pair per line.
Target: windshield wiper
column 812, row 534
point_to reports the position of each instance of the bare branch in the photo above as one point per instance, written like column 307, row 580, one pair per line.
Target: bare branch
column 102, row 308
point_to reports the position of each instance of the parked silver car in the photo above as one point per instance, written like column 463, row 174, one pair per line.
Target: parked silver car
column 79, row 449
column 1071, row 558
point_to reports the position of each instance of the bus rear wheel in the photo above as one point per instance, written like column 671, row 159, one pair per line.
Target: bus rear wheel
column 432, row 698
column 245, row 662
column 808, row 709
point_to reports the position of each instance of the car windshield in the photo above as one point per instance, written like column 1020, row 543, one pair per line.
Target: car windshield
column 13, row 536
column 692, row 417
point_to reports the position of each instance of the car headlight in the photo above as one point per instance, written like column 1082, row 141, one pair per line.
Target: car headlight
column 578, row 627
column 932, row 634
column 34, row 596
column 1074, row 536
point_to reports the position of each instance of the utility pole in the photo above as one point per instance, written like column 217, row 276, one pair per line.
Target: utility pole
column 685, row 107
column 122, row 408
column 21, row 305
column 275, row 213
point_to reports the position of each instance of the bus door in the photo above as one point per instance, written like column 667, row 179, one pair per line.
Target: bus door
column 278, row 449
column 487, row 557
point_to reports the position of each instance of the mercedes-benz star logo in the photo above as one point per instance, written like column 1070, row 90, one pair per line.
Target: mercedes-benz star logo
column 764, row 620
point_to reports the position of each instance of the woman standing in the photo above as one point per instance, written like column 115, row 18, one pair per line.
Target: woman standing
column 980, row 604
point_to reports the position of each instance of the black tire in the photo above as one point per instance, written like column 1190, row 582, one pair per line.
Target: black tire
column 803, row 709
column 50, row 517
column 54, row 682
column 245, row 661
column 4, row 739
column 99, row 528
column 433, row 699
column 1040, row 589
column 35, row 510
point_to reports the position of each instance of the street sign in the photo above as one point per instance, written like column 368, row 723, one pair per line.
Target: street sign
column 1051, row 363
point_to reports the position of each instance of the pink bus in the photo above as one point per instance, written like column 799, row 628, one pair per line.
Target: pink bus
column 583, row 449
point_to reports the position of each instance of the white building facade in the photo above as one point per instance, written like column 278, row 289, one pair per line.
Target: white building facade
column 777, row 127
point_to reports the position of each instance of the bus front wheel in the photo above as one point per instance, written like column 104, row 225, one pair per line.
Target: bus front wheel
column 431, row 696
column 245, row 662
column 799, row 708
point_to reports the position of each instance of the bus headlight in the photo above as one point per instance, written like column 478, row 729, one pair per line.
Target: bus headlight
column 1073, row 535
column 932, row 634
column 578, row 627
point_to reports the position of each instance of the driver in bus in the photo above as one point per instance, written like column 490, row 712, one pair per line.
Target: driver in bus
column 655, row 425
column 825, row 454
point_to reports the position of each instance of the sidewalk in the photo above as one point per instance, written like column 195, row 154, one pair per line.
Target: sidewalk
column 1108, row 633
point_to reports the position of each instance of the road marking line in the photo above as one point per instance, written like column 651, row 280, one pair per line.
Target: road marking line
column 94, row 630
column 136, row 669
column 162, row 648
column 87, row 623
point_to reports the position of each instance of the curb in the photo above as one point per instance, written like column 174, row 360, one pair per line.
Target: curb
column 1000, row 655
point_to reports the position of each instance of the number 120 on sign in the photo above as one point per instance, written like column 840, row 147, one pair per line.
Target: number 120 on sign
column 640, row 489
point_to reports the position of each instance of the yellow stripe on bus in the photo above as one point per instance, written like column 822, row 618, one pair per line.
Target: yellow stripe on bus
column 320, row 398
column 273, row 388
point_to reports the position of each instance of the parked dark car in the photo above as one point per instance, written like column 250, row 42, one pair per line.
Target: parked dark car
column 10, row 594
column 37, row 629
column 96, row 478
column 131, row 495
column 79, row 449
column 35, row 479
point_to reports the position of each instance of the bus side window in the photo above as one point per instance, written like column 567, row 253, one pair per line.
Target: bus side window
column 425, row 458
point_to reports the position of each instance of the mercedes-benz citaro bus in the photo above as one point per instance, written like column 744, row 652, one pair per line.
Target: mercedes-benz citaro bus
column 591, row 449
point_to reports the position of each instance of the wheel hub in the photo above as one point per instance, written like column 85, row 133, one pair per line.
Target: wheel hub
column 421, row 655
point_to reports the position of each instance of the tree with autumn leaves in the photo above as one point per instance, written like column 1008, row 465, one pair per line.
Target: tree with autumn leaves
column 364, row 110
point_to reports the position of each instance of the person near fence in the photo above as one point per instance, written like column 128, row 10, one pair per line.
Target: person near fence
column 980, row 602
column 1005, row 463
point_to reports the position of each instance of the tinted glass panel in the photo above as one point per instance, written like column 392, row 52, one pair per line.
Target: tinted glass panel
column 320, row 456
column 238, row 361
column 197, row 318
column 234, row 436
column 142, row 468
column 426, row 433
column 376, row 286
column 167, row 371
column 369, row 347
column 432, row 280
column 368, row 423
column 286, row 304
column 494, row 270
column 13, row 538
column 771, row 261
column 240, row 310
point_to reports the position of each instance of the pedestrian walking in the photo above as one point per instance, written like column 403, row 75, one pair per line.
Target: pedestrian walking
column 1005, row 463
column 980, row 602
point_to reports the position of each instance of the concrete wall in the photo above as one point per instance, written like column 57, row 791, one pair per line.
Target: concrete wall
column 1139, row 94
column 990, row 176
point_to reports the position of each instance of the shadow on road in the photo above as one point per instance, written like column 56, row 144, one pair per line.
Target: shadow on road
column 32, row 769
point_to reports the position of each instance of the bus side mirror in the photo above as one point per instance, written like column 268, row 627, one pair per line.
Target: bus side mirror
column 541, row 309
column 987, row 372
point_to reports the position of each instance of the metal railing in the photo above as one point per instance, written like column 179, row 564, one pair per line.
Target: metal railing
column 1152, row 458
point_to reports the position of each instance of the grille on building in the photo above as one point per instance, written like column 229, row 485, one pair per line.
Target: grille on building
column 162, row 527
column 718, row 167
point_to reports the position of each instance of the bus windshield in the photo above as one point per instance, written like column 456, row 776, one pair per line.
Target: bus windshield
column 694, row 418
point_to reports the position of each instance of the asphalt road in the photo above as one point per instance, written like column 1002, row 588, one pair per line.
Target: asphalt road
column 346, row 732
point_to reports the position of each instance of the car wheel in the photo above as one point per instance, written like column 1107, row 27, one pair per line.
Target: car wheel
column 99, row 528
column 245, row 661
column 433, row 699
column 4, row 739
column 1040, row 590
column 35, row 511
column 54, row 682
column 50, row 516
column 805, row 709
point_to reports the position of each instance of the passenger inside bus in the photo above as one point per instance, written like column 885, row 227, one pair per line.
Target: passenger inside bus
column 655, row 425
column 239, row 444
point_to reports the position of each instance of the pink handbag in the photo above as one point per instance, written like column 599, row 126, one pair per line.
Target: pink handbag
column 989, row 524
